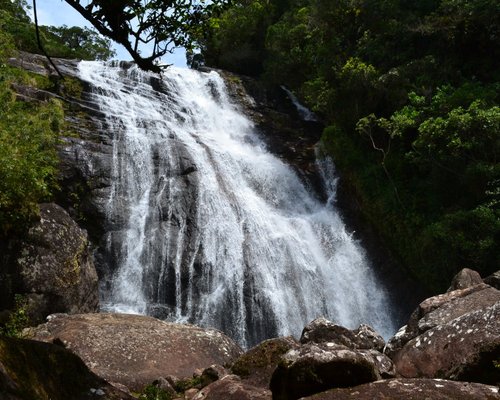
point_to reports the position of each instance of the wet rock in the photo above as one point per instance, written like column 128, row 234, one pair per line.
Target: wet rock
column 317, row 367
column 412, row 389
column 231, row 387
column 464, row 279
column 43, row 371
column 257, row 365
column 56, row 268
column 135, row 350
column 321, row 330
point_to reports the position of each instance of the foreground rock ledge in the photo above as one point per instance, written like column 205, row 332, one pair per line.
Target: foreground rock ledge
column 135, row 350
column 412, row 389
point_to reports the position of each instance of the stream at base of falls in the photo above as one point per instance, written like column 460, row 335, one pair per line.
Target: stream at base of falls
column 206, row 226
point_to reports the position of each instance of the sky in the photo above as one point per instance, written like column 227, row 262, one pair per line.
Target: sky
column 58, row 12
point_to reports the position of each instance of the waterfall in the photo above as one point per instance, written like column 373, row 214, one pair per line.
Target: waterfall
column 206, row 226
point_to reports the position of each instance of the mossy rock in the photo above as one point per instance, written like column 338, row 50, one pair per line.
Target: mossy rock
column 258, row 363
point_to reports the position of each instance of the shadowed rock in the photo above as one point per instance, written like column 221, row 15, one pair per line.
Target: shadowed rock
column 135, row 350
column 317, row 367
column 257, row 365
column 43, row 371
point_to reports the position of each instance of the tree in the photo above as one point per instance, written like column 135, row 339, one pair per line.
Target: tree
column 161, row 24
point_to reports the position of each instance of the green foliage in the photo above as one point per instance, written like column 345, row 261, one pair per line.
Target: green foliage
column 188, row 383
column 64, row 42
column 153, row 392
column 28, row 134
column 18, row 319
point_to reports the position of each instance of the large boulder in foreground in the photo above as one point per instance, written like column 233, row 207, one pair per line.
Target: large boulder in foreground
column 56, row 268
column 455, row 335
column 412, row 389
column 466, row 348
column 42, row 371
column 135, row 350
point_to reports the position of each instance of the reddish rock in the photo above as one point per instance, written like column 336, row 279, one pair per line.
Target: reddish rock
column 464, row 348
column 442, row 309
column 412, row 389
column 135, row 350
column 231, row 387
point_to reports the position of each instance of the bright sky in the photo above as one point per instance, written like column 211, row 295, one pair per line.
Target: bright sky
column 58, row 12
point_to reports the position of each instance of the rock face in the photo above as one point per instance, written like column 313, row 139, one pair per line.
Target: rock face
column 455, row 335
column 56, row 267
column 43, row 371
column 135, row 350
column 412, row 389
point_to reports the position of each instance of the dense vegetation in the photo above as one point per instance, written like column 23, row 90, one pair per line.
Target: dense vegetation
column 409, row 91
column 29, row 130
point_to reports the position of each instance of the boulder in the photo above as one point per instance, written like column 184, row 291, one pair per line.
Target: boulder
column 231, row 387
column 465, row 348
column 442, row 309
column 257, row 365
column 321, row 330
column 135, row 350
column 412, row 389
column 317, row 367
column 56, row 268
column 464, row 279
column 43, row 371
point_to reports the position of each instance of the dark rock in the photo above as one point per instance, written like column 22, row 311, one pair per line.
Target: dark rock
column 257, row 365
column 43, row 371
column 212, row 374
column 135, row 350
column 165, row 385
column 412, row 389
column 231, row 387
column 321, row 330
column 317, row 367
column 56, row 267
column 464, row 279
column 493, row 280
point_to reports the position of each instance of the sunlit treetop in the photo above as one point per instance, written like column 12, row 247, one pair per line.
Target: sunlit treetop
column 157, row 25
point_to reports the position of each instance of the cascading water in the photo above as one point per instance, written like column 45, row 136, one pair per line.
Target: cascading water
column 206, row 226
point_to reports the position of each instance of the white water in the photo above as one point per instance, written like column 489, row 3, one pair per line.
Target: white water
column 207, row 226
